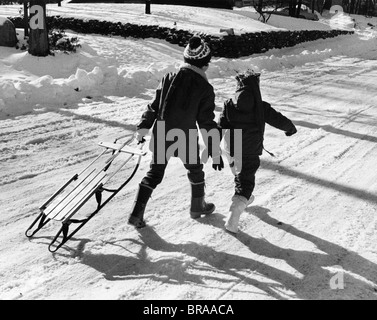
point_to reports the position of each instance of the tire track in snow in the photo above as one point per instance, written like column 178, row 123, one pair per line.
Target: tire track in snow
column 299, row 195
column 319, row 164
column 54, row 139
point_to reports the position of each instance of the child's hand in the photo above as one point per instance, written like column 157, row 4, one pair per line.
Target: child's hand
column 291, row 132
column 140, row 138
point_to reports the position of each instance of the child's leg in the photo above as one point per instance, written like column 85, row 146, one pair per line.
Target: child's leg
column 245, row 179
column 244, row 187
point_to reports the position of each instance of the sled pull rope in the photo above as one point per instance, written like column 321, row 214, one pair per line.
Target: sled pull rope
column 270, row 153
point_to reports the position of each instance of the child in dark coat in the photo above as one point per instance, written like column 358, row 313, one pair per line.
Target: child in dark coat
column 249, row 113
column 184, row 101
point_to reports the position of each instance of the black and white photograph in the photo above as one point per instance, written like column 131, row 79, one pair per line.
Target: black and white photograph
column 204, row 152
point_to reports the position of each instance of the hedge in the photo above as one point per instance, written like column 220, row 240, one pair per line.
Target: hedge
column 227, row 46
column 222, row 4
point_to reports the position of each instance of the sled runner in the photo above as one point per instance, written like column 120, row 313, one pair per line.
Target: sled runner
column 91, row 182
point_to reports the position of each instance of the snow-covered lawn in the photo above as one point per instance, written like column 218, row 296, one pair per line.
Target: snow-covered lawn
column 314, row 216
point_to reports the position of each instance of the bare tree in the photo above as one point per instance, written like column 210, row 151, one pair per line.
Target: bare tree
column 260, row 7
column 312, row 5
column 320, row 5
column 298, row 8
column 292, row 6
column 370, row 9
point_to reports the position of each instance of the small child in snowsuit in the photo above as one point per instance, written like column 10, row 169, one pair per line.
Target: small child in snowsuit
column 250, row 114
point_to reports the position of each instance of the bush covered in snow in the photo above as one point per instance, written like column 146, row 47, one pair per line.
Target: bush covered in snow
column 59, row 41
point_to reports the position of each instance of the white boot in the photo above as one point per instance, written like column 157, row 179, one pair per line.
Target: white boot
column 239, row 204
column 250, row 201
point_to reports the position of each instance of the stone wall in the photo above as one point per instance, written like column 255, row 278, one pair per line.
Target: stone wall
column 227, row 46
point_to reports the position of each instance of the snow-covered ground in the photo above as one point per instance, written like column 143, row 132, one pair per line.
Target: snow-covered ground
column 314, row 217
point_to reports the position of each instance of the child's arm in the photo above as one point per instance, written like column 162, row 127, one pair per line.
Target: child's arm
column 150, row 114
column 205, row 120
column 206, row 114
column 223, row 122
column 277, row 120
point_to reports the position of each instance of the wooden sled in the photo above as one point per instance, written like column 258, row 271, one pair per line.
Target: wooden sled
column 78, row 190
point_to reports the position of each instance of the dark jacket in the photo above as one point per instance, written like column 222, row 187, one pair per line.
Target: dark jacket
column 250, row 113
column 182, row 100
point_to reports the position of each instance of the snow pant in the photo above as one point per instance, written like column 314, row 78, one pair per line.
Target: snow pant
column 244, row 174
column 156, row 173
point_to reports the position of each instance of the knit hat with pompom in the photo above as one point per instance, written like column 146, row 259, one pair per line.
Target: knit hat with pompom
column 197, row 52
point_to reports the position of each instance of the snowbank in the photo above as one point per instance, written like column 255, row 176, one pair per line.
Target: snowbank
column 64, row 79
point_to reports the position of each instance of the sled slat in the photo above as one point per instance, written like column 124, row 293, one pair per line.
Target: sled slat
column 92, row 179
column 66, row 196
column 43, row 206
column 80, row 197
column 125, row 149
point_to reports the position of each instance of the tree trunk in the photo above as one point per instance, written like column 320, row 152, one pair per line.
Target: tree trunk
column 352, row 6
column 357, row 6
column 26, row 19
column 38, row 39
column 298, row 8
column 260, row 5
column 320, row 6
column 292, row 8
column 147, row 6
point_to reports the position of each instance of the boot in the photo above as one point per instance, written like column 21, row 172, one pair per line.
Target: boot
column 137, row 216
column 250, row 201
column 239, row 204
column 198, row 204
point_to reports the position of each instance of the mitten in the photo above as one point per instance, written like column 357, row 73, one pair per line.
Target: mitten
column 291, row 132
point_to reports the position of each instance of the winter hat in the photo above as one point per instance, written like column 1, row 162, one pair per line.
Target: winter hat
column 197, row 52
column 247, row 78
column 247, row 88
